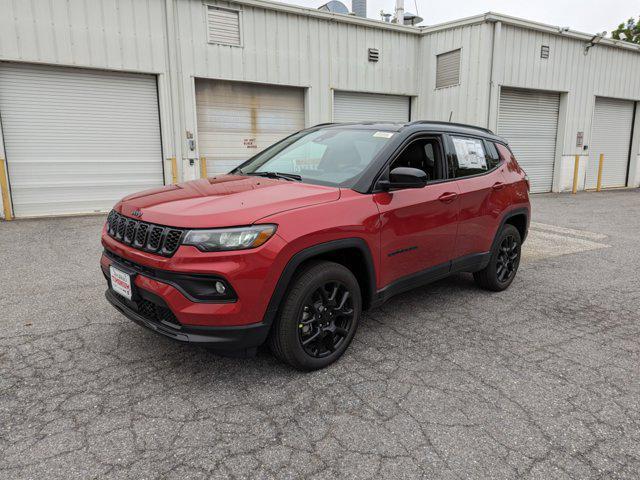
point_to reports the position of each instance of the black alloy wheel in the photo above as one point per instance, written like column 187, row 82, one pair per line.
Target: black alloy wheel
column 508, row 259
column 318, row 317
column 504, row 261
column 325, row 319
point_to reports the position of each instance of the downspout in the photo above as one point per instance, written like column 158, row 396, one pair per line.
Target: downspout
column 174, row 86
column 494, row 79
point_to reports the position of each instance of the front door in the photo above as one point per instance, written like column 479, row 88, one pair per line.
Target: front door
column 418, row 228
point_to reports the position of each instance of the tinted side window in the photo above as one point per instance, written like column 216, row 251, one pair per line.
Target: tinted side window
column 493, row 158
column 423, row 154
column 471, row 157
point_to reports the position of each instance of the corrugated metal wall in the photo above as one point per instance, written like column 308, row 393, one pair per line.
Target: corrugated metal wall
column 467, row 102
column 104, row 34
column 604, row 71
column 288, row 46
column 287, row 49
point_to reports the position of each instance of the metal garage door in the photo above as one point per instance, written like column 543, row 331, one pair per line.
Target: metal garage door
column 237, row 120
column 369, row 107
column 611, row 135
column 77, row 140
column 528, row 120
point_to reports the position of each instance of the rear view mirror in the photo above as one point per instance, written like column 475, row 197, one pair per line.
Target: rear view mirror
column 404, row 177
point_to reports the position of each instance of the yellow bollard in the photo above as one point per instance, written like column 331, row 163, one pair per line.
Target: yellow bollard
column 174, row 170
column 203, row 167
column 576, row 167
column 4, row 190
column 599, row 186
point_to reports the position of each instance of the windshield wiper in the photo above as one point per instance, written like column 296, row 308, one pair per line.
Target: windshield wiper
column 285, row 176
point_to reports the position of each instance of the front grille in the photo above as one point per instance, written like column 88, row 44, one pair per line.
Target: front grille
column 142, row 235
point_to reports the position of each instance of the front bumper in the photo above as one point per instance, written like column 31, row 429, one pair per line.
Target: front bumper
column 224, row 339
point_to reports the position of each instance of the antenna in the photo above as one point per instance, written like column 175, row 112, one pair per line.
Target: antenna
column 450, row 115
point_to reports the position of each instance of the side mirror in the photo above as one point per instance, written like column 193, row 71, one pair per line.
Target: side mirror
column 404, row 177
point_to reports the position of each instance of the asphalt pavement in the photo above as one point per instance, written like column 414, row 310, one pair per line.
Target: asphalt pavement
column 447, row 381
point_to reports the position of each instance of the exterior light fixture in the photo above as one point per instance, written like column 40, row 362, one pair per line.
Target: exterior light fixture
column 594, row 41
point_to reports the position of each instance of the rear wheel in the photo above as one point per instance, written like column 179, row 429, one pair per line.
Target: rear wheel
column 319, row 317
column 504, row 262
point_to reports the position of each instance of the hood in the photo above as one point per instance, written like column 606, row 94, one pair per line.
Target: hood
column 223, row 201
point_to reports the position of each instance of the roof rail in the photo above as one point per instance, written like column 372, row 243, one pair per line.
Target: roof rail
column 475, row 127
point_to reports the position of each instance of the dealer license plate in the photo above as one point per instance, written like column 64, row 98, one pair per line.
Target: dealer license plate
column 120, row 282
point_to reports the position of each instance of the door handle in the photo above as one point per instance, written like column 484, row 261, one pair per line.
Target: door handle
column 498, row 186
column 448, row 197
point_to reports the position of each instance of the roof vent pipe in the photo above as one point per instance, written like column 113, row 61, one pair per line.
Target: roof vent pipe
column 359, row 8
column 399, row 17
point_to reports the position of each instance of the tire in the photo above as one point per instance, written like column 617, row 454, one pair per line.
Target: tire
column 493, row 277
column 306, row 312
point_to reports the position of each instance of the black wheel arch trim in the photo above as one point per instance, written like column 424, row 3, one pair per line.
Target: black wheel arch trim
column 310, row 252
column 510, row 214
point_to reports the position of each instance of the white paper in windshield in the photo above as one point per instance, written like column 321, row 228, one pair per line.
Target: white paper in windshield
column 383, row 134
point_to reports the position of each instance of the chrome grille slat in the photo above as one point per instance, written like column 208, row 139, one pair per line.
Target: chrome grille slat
column 142, row 235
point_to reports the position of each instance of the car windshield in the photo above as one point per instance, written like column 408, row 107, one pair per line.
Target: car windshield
column 328, row 156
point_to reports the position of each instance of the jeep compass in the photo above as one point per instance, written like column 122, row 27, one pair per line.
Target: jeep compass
column 290, row 247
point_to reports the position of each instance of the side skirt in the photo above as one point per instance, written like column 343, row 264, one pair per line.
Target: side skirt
column 468, row 263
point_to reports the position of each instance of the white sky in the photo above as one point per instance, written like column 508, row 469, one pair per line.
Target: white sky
column 589, row 16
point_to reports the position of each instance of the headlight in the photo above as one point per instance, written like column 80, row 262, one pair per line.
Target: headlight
column 238, row 238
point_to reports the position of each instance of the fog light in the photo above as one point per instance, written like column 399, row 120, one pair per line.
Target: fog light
column 221, row 288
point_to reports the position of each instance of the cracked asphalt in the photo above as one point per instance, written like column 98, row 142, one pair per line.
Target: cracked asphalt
column 448, row 381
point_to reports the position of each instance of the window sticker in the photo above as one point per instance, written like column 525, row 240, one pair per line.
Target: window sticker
column 383, row 134
column 470, row 152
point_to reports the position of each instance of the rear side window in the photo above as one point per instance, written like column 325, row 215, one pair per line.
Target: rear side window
column 493, row 158
column 473, row 156
column 470, row 156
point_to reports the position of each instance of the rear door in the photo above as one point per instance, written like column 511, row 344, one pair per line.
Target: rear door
column 419, row 224
column 478, row 172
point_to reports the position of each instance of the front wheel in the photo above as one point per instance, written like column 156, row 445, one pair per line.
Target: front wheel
column 319, row 317
column 504, row 262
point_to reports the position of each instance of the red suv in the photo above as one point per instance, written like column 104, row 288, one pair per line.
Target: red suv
column 290, row 247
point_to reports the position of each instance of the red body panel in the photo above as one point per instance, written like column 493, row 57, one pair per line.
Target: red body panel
column 417, row 229
column 406, row 231
column 223, row 201
column 483, row 200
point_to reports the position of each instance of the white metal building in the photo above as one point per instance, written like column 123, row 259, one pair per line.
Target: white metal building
column 97, row 98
